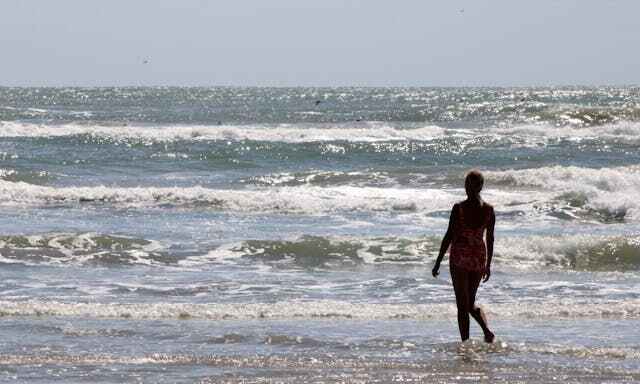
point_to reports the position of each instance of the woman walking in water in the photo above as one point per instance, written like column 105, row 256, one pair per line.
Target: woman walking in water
column 469, row 258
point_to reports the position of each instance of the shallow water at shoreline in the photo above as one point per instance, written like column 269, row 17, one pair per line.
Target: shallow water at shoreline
column 74, row 349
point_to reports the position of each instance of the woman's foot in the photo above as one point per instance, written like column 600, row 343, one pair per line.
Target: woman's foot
column 480, row 317
column 489, row 337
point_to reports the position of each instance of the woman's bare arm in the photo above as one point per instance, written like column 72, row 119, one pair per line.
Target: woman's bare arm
column 490, row 229
column 446, row 241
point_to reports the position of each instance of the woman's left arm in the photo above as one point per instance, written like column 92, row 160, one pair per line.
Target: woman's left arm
column 490, row 229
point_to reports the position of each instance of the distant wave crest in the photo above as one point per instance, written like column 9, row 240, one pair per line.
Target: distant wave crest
column 373, row 132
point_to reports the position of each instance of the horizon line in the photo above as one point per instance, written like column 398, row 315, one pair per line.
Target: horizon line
column 566, row 85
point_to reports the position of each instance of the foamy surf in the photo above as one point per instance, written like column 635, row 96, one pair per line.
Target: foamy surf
column 611, row 191
column 581, row 252
column 322, row 309
column 567, row 200
column 307, row 199
column 578, row 252
column 363, row 132
column 371, row 132
column 59, row 249
column 320, row 362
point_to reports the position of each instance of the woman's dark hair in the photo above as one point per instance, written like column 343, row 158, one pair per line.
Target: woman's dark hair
column 473, row 182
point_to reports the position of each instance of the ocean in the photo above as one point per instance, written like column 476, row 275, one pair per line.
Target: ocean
column 287, row 235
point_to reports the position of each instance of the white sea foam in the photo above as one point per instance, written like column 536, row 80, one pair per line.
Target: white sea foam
column 625, row 130
column 362, row 132
column 304, row 199
column 579, row 251
column 290, row 133
column 549, row 309
column 78, row 248
column 377, row 367
column 611, row 190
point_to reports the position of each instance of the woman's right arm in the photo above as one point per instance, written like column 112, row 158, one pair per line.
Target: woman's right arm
column 446, row 241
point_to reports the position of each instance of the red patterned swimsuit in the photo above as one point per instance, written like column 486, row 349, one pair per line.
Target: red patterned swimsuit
column 468, row 250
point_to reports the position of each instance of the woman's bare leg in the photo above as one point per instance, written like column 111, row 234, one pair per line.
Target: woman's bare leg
column 476, row 312
column 460, row 280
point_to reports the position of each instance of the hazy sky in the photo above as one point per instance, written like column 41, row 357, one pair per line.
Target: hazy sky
column 322, row 42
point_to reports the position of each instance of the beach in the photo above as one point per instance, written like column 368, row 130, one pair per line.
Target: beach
column 254, row 235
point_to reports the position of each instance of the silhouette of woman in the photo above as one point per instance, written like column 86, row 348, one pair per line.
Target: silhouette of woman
column 469, row 258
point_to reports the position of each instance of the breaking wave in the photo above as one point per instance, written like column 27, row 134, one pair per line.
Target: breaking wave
column 627, row 131
column 305, row 199
column 576, row 252
column 83, row 248
column 31, row 177
column 361, row 132
column 606, row 193
column 320, row 178
column 317, row 251
column 321, row 309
